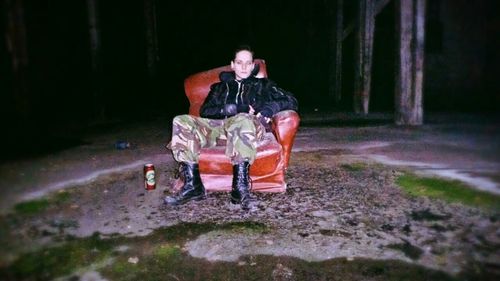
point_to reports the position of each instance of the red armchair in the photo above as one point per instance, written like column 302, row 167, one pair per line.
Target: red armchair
column 273, row 153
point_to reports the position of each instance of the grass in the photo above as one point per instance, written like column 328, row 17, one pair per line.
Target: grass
column 449, row 190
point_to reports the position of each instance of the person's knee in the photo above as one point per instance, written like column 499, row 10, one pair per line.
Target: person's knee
column 183, row 119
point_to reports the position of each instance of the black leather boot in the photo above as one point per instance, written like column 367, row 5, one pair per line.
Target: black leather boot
column 240, row 192
column 192, row 189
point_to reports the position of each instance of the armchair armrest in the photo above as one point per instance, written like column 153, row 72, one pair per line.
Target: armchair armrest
column 285, row 125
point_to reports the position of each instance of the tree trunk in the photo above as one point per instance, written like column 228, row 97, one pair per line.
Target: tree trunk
column 336, row 40
column 151, row 37
column 409, row 80
column 95, row 58
column 15, row 35
column 363, row 55
column 380, row 5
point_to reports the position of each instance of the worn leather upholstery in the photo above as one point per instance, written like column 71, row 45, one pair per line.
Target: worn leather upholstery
column 273, row 153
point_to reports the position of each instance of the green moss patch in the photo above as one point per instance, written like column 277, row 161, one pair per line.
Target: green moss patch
column 354, row 167
column 184, row 267
column 31, row 207
column 160, row 256
column 39, row 205
column 49, row 263
column 166, row 251
column 449, row 190
column 74, row 253
column 61, row 197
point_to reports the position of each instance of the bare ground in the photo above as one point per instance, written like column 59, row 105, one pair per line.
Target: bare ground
column 333, row 208
column 340, row 203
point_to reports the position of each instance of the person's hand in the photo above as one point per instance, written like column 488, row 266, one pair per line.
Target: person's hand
column 252, row 110
column 264, row 115
column 230, row 109
column 265, row 121
column 261, row 117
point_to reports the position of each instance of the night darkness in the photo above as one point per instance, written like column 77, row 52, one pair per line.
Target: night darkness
column 461, row 56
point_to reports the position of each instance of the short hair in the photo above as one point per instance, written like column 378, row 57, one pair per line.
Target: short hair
column 242, row 48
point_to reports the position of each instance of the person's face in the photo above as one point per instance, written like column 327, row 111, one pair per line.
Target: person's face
column 242, row 65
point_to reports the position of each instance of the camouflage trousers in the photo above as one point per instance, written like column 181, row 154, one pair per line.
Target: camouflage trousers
column 190, row 134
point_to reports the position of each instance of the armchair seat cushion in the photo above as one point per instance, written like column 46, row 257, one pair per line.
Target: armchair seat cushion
column 267, row 172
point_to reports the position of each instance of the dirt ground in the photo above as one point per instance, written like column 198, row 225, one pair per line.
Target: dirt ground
column 342, row 200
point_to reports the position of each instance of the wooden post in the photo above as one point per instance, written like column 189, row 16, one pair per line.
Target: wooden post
column 409, row 79
column 363, row 55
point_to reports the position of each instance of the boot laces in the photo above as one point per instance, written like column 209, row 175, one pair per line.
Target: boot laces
column 249, row 179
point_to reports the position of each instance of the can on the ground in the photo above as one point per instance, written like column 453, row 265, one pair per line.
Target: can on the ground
column 149, row 177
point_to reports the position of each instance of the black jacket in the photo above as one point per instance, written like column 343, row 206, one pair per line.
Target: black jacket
column 261, row 93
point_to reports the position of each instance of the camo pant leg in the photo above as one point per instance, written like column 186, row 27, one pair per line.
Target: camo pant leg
column 243, row 131
column 190, row 134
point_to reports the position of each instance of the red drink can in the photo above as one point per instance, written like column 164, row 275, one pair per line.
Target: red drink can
column 149, row 177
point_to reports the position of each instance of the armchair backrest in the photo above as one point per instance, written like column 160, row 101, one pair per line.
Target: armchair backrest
column 197, row 85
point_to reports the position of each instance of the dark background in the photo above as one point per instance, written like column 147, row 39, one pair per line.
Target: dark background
column 462, row 46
